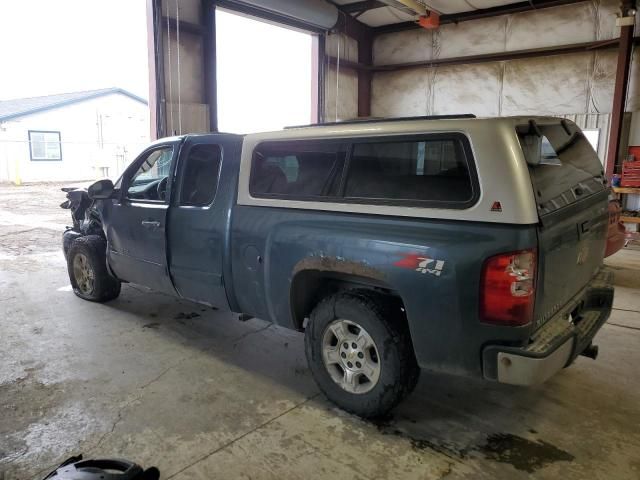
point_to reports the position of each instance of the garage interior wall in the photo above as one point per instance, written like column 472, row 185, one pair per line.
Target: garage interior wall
column 579, row 86
column 341, row 93
column 182, row 65
column 183, row 100
column 180, row 96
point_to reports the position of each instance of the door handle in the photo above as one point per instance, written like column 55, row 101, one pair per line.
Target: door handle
column 585, row 226
column 150, row 224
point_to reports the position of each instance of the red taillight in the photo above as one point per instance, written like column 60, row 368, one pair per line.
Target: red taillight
column 508, row 287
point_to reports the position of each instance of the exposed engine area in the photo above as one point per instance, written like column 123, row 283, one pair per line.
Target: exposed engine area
column 86, row 219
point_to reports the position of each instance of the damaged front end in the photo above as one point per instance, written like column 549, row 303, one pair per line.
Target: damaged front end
column 86, row 218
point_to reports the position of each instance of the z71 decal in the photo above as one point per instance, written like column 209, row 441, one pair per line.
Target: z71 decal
column 422, row 264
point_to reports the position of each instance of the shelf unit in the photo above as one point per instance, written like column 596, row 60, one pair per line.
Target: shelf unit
column 635, row 190
column 627, row 191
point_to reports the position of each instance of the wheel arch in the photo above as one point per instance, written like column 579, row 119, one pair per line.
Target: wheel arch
column 310, row 285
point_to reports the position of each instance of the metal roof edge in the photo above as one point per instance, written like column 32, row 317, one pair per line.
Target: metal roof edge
column 64, row 103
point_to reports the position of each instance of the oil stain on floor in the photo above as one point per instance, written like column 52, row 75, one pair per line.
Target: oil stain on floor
column 521, row 453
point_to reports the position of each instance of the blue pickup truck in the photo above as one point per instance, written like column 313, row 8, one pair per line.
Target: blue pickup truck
column 459, row 245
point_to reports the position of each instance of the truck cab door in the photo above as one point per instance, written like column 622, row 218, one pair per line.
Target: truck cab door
column 135, row 222
column 198, row 223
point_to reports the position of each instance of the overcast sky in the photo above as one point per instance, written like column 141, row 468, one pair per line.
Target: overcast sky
column 61, row 46
column 57, row 46
column 264, row 75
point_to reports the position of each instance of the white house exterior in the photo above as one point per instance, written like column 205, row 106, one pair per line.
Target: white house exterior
column 72, row 136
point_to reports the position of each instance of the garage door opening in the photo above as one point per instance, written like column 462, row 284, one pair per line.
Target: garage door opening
column 264, row 75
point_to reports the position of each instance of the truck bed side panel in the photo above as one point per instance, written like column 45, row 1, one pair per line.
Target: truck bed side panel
column 434, row 266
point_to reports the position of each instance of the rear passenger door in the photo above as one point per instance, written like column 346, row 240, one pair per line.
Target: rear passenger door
column 197, row 224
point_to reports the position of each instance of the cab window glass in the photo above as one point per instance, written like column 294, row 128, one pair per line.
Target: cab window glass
column 410, row 171
column 150, row 180
column 560, row 158
column 200, row 175
column 297, row 169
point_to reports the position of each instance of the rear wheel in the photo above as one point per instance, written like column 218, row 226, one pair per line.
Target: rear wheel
column 360, row 354
column 87, row 267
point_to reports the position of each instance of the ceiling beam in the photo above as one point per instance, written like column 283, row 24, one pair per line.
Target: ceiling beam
column 486, row 57
column 518, row 7
column 353, row 28
column 360, row 7
column 363, row 34
column 187, row 27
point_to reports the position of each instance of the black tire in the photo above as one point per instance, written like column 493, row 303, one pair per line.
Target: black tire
column 399, row 371
column 68, row 238
column 89, row 255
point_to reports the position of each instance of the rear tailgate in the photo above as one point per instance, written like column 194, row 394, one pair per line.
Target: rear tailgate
column 572, row 197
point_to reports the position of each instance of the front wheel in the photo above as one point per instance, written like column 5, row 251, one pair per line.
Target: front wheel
column 87, row 266
column 360, row 354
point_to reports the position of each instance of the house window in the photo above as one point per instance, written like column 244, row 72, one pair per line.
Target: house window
column 45, row 145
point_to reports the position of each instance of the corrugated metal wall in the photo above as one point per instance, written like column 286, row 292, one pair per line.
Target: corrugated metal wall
column 560, row 85
column 593, row 121
column 345, row 101
column 185, row 99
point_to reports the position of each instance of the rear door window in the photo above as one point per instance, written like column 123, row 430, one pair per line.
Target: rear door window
column 301, row 169
column 200, row 175
column 563, row 165
column 431, row 171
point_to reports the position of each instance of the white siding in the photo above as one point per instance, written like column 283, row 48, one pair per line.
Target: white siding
column 99, row 137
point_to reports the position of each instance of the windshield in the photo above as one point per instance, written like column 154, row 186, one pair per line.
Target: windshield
column 563, row 165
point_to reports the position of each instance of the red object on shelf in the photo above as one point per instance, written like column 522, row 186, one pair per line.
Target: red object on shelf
column 631, row 169
column 616, row 236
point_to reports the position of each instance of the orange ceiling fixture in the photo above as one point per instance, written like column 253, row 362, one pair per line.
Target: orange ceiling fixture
column 429, row 21
column 427, row 18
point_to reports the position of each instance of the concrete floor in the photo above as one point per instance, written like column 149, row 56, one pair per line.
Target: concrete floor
column 201, row 395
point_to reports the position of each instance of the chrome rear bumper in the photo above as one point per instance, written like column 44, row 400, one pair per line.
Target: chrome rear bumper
column 558, row 342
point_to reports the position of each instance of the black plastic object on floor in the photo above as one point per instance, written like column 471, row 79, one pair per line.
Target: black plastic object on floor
column 75, row 468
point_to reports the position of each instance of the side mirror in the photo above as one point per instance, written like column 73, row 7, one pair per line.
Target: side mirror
column 101, row 190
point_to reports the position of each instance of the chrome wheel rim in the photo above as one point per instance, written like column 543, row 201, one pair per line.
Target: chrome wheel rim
column 350, row 356
column 83, row 273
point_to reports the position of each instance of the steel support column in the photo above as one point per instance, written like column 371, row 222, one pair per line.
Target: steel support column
column 362, row 34
column 156, row 69
column 210, row 62
column 365, row 56
column 318, row 57
column 619, row 95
